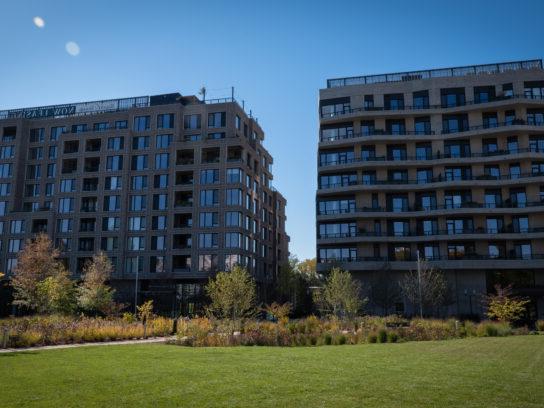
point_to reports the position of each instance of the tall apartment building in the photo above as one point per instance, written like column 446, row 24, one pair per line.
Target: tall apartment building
column 172, row 188
column 446, row 162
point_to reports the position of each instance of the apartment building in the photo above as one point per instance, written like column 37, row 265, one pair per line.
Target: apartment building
column 444, row 163
column 172, row 188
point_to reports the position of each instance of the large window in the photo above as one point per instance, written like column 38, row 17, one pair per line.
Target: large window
column 233, row 196
column 208, row 240
column 163, row 141
column 209, row 197
column 136, row 223
column 114, row 163
column 209, row 176
column 161, row 161
column 136, row 243
column 234, row 176
column 233, row 240
column 139, row 162
column 141, row 123
column 209, row 219
column 207, row 263
column 216, row 119
column 233, row 219
column 138, row 182
column 116, row 143
column 165, row 121
column 137, row 202
column 191, row 121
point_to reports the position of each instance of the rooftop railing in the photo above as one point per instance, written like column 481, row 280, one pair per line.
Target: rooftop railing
column 436, row 73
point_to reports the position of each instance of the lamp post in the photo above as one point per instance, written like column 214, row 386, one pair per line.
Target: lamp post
column 136, row 293
column 419, row 285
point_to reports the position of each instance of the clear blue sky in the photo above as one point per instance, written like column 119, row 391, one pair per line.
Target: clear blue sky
column 277, row 54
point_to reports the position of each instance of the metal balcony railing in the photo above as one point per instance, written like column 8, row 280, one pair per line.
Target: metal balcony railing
column 437, row 156
column 457, row 257
column 449, row 232
column 436, row 73
column 419, row 208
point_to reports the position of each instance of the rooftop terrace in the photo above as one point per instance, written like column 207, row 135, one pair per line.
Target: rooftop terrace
column 436, row 73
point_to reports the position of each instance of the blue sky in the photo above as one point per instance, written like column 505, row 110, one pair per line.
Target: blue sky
column 276, row 54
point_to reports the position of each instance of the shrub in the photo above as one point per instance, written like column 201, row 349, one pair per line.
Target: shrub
column 392, row 337
column 372, row 338
column 540, row 325
column 382, row 336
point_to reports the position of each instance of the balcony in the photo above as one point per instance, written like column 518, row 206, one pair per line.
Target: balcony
column 426, row 209
column 430, row 157
column 446, row 234
column 440, row 179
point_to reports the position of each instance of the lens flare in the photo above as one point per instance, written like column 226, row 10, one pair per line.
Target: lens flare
column 72, row 48
column 38, row 21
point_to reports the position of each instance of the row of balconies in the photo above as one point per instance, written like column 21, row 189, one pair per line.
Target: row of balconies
column 429, row 157
column 461, row 129
column 372, row 181
column 401, row 108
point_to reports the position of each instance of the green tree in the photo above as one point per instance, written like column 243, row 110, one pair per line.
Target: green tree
column 94, row 295
column 295, row 279
column 232, row 294
column 503, row 306
column 341, row 294
column 56, row 294
column 37, row 261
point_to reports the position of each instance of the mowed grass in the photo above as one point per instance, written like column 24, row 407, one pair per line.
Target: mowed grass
column 477, row 372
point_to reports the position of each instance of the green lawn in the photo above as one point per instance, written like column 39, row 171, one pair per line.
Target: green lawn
column 478, row 372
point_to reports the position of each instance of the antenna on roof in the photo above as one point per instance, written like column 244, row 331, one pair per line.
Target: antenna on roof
column 203, row 93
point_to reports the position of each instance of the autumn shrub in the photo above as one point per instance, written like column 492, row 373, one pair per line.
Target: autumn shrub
column 540, row 325
column 52, row 330
column 382, row 336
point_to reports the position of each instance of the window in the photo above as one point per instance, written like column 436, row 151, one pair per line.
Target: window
column 393, row 101
column 421, row 100
column 163, row 141
column 140, row 142
column 138, row 182
column 64, row 225
column 49, row 189
column 158, row 222
column 35, row 153
column 233, row 196
column 121, row 124
column 422, row 126
column 165, row 121
column 110, row 224
column 51, row 170
column 207, row 240
column 114, row 163
column 451, row 97
column 209, row 197
column 161, row 161
column 67, row 185
column 52, row 152
column 116, row 143
column 15, row 245
column 109, row 243
column 17, row 226
column 335, row 132
column 209, row 176
column 233, row 240
column 207, row 263
column 483, row 94
column 33, row 172
column 216, row 135
column 160, row 181
column 37, row 135
column 114, row 183
column 141, row 123
column 139, row 162
column 209, row 219
column 234, row 176
column 79, row 128
column 112, row 203
column 454, row 123
column 233, row 219
column 56, row 132
column 5, row 189
column 216, row 120
column 136, row 243
column 135, row 264
column 5, row 170
column 66, row 205
column 237, row 122
column 334, row 107
column 101, row 126
column 158, row 243
column 191, row 121
column 137, row 202
column 136, row 223
column 160, row 202
column 332, row 254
